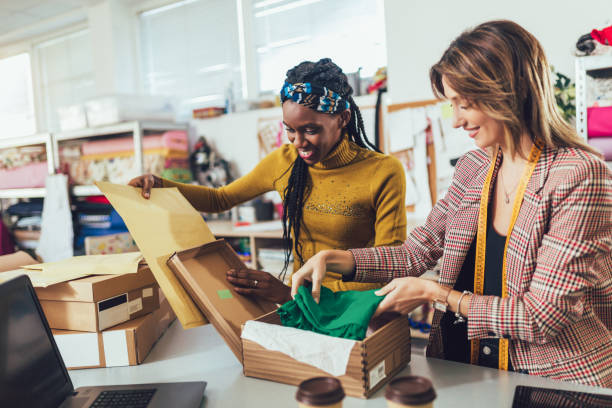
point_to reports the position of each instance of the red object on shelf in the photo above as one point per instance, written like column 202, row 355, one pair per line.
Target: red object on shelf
column 603, row 36
column 241, row 223
column 279, row 210
column 599, row 121
column 97, row 199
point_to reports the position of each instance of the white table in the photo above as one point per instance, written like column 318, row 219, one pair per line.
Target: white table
column 200, row 354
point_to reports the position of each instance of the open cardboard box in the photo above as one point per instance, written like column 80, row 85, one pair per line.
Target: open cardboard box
column 201, row 271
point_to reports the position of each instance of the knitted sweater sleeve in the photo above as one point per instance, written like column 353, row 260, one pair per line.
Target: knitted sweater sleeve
column 260, row 180
column 388, row 192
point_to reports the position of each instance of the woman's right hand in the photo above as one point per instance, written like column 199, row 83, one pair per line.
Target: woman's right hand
column 146, row 182
column 315, row 268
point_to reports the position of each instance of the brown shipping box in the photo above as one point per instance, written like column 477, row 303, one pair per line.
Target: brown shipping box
column 126, row 344
column 372, row 362
column 95, row 303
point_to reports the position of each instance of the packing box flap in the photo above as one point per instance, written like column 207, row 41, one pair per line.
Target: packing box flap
column 97, row 287
column 202, row 271
column 15, row 260
column 161, row 225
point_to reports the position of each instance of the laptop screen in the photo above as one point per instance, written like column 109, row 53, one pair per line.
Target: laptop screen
column 32, row 373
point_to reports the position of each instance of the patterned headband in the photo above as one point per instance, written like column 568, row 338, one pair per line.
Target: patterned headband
column 319, row 98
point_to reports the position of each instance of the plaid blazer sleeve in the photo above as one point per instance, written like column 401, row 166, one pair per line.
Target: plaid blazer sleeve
column 580, row 233
column 424, row 245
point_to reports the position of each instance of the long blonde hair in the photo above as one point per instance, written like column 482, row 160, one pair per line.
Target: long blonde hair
column 501, row 68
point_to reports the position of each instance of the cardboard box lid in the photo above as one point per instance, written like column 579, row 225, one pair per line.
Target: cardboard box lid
column 96, row 287
column 201, row 271
column 15, row 261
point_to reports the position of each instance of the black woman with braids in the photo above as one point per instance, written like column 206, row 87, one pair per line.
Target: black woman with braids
column 338, row 191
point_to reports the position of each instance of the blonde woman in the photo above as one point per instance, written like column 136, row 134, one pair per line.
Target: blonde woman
column 525, row 229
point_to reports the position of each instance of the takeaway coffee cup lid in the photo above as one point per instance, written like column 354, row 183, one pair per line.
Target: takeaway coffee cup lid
column 410, row 390
column 319, row 391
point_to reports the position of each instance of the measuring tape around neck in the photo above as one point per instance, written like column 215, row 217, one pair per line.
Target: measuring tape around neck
column 481, row 240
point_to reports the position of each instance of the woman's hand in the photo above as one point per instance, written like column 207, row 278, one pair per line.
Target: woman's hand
column 403, row 295
column 146, row 182
column 259, row 283
column 313, row 270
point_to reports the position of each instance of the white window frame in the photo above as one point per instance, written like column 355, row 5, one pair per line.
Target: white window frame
column 29, row 46
column 40, row 105
column 26, row 48
column 248, row 61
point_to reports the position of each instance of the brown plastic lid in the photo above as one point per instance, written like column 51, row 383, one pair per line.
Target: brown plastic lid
column 410, row 390
column 320, row 391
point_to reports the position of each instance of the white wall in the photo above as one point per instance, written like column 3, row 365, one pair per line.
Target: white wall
column 418, row 32
column 234, row 136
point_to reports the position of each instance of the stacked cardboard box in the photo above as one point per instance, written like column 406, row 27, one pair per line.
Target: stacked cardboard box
column 126, row 344
column 106, row 320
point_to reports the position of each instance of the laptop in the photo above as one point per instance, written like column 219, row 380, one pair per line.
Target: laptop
column 33, row 374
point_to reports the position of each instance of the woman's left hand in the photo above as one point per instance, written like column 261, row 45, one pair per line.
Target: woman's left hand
column 259, row 283
column 403, row 295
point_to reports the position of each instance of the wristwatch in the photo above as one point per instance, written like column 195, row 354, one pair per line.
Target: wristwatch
column 441, row 303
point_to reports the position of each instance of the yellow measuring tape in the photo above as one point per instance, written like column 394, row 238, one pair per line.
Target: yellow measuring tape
column 481, row 241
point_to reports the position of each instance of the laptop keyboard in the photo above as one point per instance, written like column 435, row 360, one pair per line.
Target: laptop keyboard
column 123, row 399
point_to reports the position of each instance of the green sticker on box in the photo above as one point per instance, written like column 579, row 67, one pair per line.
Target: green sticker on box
column 224, row 294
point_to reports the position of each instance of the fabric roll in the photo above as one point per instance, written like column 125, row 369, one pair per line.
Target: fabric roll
column 599, row 121
column 171, row 140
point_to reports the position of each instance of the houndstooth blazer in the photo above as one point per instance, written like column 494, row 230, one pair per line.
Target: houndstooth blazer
column 558, row 313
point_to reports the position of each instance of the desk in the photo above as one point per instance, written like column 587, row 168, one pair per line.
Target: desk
column 200, row 354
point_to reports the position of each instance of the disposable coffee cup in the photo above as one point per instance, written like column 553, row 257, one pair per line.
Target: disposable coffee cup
column 320, row 392
column 410, row 392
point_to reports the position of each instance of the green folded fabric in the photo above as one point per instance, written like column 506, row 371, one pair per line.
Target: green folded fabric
column 339, row 314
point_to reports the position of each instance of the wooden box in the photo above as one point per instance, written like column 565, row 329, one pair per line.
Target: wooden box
column 372, row 362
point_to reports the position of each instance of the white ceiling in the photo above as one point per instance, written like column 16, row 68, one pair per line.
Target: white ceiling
column 17, row 14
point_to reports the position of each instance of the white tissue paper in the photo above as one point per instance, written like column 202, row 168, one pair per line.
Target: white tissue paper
column 56, row 233
column 330, row 354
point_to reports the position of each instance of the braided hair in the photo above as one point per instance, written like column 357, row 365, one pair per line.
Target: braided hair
column 326, row 74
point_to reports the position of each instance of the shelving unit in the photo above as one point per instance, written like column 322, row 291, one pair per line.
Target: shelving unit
column 257, row 238
column 23, row 141
column 590, row 66
column 52, row 141
column 136, row 128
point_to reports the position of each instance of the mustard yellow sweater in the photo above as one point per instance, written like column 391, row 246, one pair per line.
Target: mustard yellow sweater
column 356, row 200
